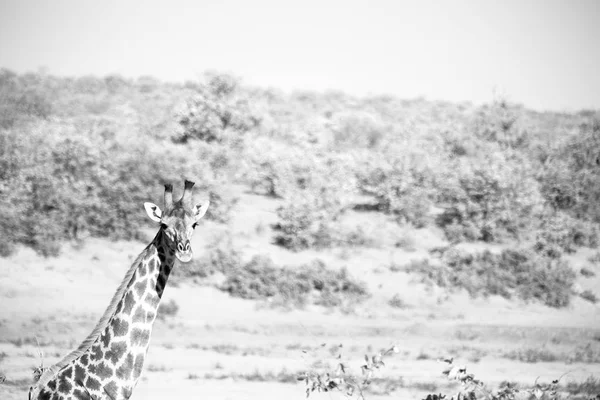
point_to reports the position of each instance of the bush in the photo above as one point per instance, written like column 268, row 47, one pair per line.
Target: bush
column 498, row 122
column 570, row 181
column 309, row 216
column 19, row 102
column 75, row 176
column 490, row 199
column 306, row 223
column 587, row 273
column 589, row 296
column 512, row 272
column 167, row 309
column 219, row 109
column 397, row 302
column 59, row 185
column 279, row 171
column 590, row 387
column 561, row 233
column 309, row 283
column 532, row 355
column 355, row 129
column 401, row 187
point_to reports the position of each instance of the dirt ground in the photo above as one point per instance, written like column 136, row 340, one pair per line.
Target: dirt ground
column 220, row 347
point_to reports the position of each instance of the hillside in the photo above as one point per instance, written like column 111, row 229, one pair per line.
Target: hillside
column 443, row 229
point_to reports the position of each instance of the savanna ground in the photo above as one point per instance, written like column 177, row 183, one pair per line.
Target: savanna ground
column 339, row 226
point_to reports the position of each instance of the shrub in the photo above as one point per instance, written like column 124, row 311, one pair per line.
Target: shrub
column 116, row 83
column 532, row 355
column 222, row 201
column 59, row 185
column 355, row 129
column 313, row 222
column 512, row 272
column 216, row 111
column 309, row 216
column 167, row 309
column 531, row 277
column 589, row 296
column 19, row 102
column 261, row 278
column 570, row 181
column 283, row 171
column 225, row 259
column 594, row 258
column 401, row 187
column 590, row 387
column 587, row 273
column 279, row 171
column 498, row 122
column 561, row 233
column 305, row 223
column 147, row 84
column 490, row 199
column 397, row 302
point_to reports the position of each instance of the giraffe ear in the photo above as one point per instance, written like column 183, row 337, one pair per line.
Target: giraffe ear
column 200, row 209
column 153, row 211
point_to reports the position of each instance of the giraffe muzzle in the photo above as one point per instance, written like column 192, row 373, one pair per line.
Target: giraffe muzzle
column 184, row 251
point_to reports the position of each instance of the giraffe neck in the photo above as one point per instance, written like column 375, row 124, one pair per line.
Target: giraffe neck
column 112, row 362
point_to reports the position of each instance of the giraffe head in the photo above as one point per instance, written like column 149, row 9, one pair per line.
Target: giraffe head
column 178, row 219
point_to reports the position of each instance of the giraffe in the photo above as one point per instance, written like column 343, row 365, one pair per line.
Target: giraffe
column 108, row 363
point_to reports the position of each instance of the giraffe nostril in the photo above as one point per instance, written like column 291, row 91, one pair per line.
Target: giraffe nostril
column 187, row 246
column 179, row 246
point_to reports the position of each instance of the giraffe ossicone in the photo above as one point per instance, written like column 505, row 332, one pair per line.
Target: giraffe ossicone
column 109, row 362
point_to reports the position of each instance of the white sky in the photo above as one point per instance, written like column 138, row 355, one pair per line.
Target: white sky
column 542, row 53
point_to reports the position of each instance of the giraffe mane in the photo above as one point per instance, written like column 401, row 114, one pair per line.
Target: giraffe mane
column 100, row 326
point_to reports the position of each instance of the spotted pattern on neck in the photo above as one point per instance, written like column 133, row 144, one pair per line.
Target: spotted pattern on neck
column 111, row 367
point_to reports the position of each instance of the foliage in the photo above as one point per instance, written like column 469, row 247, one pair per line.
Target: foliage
column 167, row 309
column 400, row 186
column 310, row 213
column 498, row 122
column 308, row 221
column 57, row 185
column 489, row 199
column 512, row 272
column 590, row 386
column 570, row 180
column 79, row 155
column 218, row 110
column 397, row 302
column 532, row 355
column 589, row 296
column 587, row 273
column 22, row 101
column 279, row 170
column 323, row 378
column 356, row 129
column 342, row 379
column 473, row 388
column 561, row 233
column 594, row 258
column 309, row 283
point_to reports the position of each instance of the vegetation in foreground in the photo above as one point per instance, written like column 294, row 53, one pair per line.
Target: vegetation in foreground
column 462, row 384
